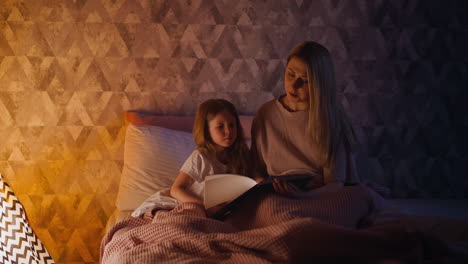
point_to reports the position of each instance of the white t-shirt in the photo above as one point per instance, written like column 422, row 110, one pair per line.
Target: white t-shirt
column 281, row 144
column 198, row 165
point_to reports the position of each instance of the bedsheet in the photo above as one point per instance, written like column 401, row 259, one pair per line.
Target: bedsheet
column 268, row 228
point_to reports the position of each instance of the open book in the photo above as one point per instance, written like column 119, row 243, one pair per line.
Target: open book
column 231, row 188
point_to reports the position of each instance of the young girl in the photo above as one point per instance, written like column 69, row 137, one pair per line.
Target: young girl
column 221, row 148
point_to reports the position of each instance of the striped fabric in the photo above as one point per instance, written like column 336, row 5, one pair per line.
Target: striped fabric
column 18, row 243
column 268, row 228
column 264, row 229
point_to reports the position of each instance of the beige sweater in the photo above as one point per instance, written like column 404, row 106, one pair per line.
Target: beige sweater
column 280, row 145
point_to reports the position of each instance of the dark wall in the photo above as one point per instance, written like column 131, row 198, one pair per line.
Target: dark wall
column 410, row 97
column 401, row 69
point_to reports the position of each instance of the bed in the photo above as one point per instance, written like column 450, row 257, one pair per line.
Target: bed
column 268, row 228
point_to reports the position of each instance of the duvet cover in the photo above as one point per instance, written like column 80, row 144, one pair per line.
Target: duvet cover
column 268, row 228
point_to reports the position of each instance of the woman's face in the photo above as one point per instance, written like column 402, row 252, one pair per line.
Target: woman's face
column 296, row 84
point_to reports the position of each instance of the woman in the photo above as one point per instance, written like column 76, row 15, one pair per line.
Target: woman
column 305, row 130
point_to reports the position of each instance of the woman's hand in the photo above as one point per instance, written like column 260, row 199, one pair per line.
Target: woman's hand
column 285, row 188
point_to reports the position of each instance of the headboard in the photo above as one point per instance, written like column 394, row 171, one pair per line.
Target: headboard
column 182, row 123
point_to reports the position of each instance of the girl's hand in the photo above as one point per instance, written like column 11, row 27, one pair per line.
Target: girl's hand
column 284, row 188
column 212, row 210
column 259, row 178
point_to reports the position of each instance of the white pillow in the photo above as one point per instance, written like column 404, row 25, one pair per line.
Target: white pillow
column 152, row 159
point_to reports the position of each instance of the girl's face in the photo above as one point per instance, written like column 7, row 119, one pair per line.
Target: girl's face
column 296, row 84
column 223, row 129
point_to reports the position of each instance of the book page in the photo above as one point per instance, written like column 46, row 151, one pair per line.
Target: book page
column 222, row 188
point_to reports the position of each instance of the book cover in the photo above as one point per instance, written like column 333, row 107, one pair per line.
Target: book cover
column 231, row 188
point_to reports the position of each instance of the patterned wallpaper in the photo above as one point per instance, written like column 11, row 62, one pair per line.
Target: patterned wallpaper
column 69, row 69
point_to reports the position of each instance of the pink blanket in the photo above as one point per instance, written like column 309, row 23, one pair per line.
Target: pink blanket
column 268, row 228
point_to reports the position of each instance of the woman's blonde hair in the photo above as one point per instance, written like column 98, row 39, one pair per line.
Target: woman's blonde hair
column 238, row 152
column 329, row 125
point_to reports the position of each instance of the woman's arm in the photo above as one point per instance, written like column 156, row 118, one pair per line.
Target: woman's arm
column 179, row 189
column 287, row 189
column 327, row 188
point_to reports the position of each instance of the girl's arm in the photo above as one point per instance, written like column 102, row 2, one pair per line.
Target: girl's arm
column 179, row 189
column 258, row 177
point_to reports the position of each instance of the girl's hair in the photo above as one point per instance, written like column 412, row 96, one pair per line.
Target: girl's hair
column 328, row 124
column 238, row 152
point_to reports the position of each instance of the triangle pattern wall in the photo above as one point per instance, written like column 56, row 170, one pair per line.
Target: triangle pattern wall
column 69, row 69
